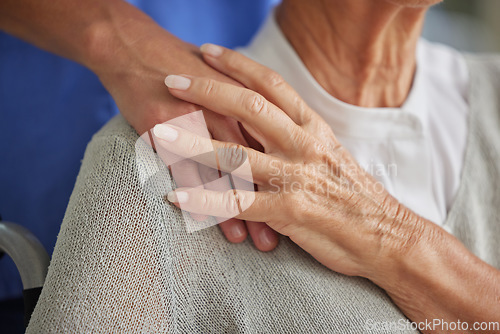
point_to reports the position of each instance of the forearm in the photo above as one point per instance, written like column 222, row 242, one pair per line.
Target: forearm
column 440, row 279
column 93, row 33
column 125, row 48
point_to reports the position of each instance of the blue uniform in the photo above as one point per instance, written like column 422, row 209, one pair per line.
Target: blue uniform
column 50, row 107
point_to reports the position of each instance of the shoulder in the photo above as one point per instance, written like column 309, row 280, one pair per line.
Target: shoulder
column 485, row 65
column 484, row 93
column 488, row 60
column 117, row 153
column 439, row 53
column 115, row 147
column 484, row 100
column 108, row 242
column 439, row 57
column 485, row 78
column 444, row 68
column 474, row 74
column 116, row 130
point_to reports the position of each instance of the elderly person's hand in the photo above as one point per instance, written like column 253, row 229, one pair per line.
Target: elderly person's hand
column 312, row 190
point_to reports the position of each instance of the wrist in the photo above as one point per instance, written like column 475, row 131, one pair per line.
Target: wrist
column 415, row 274
column 125, row 40
column 406, row 245
column 436, row 277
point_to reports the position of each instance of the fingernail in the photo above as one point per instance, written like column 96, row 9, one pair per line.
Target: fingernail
column 178, row 197
column 211, row 50
column 237, row 231
column 165, row 132
column 267, row 237
column 177, row 82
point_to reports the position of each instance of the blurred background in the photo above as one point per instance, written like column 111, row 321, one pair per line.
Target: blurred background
column 467, row 25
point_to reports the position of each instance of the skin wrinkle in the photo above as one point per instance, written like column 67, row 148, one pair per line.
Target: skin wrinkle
column 321, row 186
column 348, row 64
column 355, row 230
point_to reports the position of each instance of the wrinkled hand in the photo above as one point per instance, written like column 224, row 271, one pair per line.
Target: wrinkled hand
column 310, row 187
column 134, row 76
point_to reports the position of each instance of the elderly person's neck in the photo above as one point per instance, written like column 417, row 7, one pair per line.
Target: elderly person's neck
column 361, row 52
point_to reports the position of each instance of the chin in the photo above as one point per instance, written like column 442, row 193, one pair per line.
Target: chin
column 415, row 3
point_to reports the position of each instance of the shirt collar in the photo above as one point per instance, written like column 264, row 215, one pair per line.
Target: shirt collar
column 271, row 48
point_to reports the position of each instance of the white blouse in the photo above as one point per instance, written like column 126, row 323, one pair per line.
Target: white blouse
column 415, row 151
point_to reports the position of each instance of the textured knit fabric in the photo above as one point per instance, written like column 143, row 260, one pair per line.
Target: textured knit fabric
column 124, row 262
column 474, row 218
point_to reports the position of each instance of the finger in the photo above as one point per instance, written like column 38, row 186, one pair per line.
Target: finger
column 230, row 130
column 243, row 162
column 224, row 128
column 264, row 237
column 185, row 174
column 235, row 203
column 234, row 230
column 263, row 120
column 258, row 78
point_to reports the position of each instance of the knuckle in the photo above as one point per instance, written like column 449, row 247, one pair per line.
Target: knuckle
column 255, row 103
column 273, row 79
column 302, row 139
column 194, row 144
column 318, row 149
column 231, row 156
column 209, row 87
column 302, row 109
column 230, row 203
column 313, row 149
